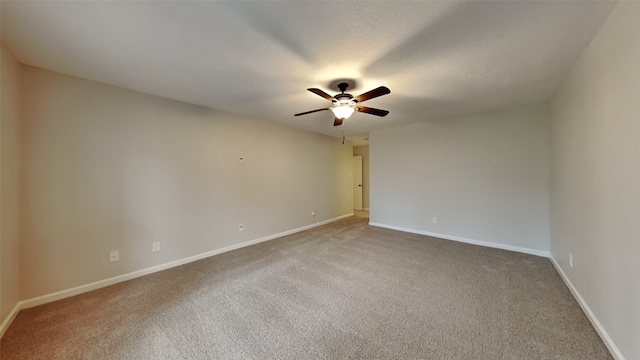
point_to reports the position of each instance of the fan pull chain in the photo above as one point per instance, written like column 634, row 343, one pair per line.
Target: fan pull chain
column 342, row 137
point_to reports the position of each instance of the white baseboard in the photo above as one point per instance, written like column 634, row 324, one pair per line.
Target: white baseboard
column 466, row 240
column 9, row 319
column 58, row 295
column 613, row 349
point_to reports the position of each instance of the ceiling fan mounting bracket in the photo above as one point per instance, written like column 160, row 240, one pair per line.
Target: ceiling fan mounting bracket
column 343, row 87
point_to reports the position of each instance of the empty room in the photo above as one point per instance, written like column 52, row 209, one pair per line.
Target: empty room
column 320, row 180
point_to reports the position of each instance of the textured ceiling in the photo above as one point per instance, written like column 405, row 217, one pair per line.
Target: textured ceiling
column 439, row 59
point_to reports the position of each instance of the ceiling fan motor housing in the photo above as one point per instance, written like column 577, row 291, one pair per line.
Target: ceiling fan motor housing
column 344, row 99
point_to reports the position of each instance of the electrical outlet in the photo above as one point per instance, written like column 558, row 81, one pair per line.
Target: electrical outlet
column 114, row 256
column 313, row 214
column 155, row 246
column 241, row 227
column 571, row 260
column 434, row 220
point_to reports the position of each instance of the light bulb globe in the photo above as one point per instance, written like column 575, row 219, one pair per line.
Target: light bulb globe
column 342, row 112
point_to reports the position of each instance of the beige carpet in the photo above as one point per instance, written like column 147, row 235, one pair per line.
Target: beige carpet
column 344, row 290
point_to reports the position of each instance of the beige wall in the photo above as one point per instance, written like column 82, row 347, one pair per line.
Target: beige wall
column 595, row 177
column 484, row 176
column 9, row 183
column 363, row 150
column 108, row 168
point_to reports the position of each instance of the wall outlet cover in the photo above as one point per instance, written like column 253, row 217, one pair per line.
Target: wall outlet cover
column 114, row 256
column 571, row 260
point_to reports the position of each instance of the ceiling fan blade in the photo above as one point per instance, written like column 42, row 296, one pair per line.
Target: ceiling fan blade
column 321, row 93
column 337, row 122
column 372, row 111
column 309, row 112
column 382, row 90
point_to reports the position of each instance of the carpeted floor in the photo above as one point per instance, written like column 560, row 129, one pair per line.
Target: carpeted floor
column 343, row 290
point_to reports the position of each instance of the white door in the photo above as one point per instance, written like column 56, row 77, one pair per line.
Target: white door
column 357, row 182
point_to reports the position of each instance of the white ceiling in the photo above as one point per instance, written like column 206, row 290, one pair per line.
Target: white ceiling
column 439, row 59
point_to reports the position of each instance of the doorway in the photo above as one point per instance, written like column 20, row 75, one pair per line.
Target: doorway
column 357, row 182
column 361, row 193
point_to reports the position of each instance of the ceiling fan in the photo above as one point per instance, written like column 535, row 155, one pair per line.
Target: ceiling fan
column 345, row 104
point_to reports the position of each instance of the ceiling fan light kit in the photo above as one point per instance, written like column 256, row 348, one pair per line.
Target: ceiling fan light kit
column 342, row 111
column 344, row 105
